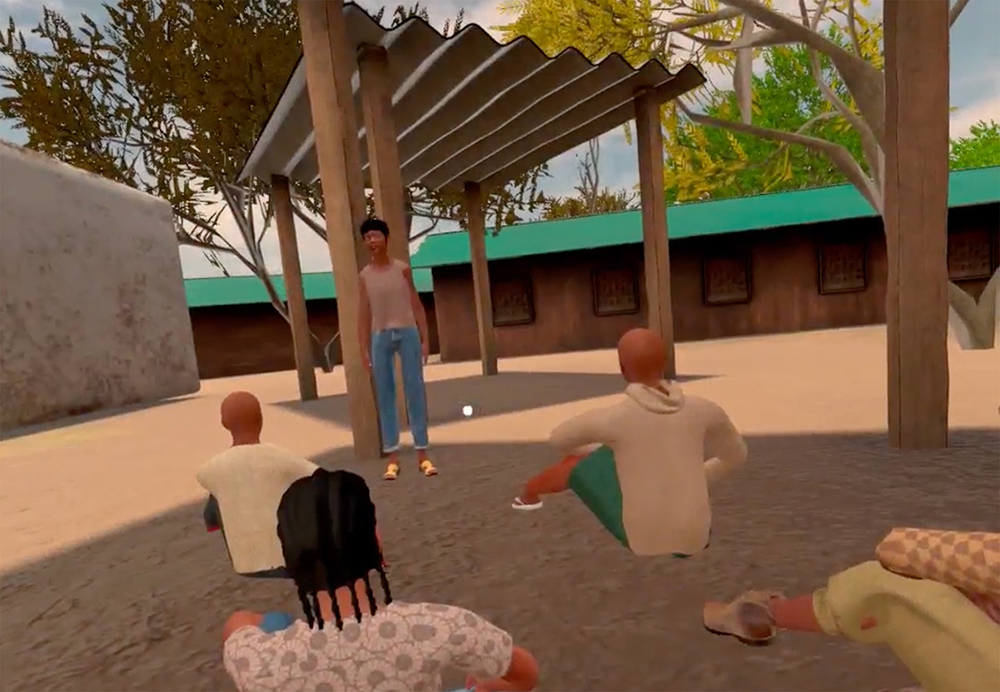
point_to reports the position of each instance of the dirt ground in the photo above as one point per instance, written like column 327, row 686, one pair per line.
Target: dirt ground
column 108, row 580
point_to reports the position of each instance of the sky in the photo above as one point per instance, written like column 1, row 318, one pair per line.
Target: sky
column 975, row 96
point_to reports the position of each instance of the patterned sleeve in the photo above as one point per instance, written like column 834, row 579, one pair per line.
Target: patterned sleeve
column 477, row 646
column 241, row 654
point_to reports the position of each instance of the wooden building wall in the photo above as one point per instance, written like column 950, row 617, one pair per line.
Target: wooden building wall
column 770, row 281
column 235, row 340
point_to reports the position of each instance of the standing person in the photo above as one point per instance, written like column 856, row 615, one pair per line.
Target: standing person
column 348, row 641
column 392, row 320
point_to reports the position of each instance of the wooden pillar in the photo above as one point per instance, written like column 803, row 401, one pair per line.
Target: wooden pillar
column 916, row 221
column 383, row 154
column 383, row 162
column 291, row 272
column 656, row 252
column 324, row 45
column 481, row 277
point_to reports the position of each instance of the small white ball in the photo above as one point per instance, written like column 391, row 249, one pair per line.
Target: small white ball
column 467, row 411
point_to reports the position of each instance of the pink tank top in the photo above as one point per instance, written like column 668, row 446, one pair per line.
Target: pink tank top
column 389, row 296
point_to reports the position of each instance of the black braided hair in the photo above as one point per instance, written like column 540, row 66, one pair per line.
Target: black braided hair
column 385, row 581
column 326, row 525
column 317, row 610
column 306, row 608
column 372, row 606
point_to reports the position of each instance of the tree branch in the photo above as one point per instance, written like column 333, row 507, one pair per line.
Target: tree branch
column 758, row 39
column 956, row 11
column 317, row 228
column 421, row 234
column 865, row 83
column 743, row 74
column 852, row 27
column 869, row 146
column 702, row 19
column 840, row 156
column 707, row 42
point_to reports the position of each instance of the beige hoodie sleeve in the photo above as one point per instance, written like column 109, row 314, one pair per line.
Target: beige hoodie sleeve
column 725, row 449
column 581, row 434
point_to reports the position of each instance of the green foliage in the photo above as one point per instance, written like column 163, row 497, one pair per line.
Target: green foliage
column 166, row 96
column 716, row 163
column 979, row 149
column 604, row 202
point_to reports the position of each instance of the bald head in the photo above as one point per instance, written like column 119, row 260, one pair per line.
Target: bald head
column 242, row 417
column 642, row 356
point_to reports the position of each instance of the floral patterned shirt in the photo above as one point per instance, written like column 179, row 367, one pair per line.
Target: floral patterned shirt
column 404, row 647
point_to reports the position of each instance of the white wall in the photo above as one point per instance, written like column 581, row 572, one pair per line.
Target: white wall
column 92, row 307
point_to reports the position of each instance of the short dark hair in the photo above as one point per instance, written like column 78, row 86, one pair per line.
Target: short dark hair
column 326, row 525
column 374, row 224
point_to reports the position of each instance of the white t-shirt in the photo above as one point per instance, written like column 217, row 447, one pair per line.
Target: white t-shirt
column 404, row 647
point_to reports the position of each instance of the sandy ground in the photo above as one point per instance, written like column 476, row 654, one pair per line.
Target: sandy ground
column 108, row 581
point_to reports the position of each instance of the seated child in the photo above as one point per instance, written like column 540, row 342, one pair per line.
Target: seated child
column 349, row 640
column 245, row 484
column 656, row 453
column 932, row 596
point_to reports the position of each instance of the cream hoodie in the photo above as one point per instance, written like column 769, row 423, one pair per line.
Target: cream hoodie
column 668, row 449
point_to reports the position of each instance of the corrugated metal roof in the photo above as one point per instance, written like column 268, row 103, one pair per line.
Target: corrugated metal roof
column 818, row 205
column 248, row 290
column 467, row 108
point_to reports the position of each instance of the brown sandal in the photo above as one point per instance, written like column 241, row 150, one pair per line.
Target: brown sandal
column 747, row 618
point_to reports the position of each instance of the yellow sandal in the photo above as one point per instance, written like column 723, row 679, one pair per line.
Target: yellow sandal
column 428, row 468
column 391, row 472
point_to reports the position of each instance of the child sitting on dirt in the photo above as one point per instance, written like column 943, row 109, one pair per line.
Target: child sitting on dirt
column 348, row 641
column 245, row 484
column 647, row 480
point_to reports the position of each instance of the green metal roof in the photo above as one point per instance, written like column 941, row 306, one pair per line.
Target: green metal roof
column 245, row 290
column 965, row 188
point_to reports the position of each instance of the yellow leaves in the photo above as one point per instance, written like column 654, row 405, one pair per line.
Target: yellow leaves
column 737, row 149
column 694, row 168
column 698, row 135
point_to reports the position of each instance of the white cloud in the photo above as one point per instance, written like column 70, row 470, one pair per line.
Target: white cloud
column 964, row 118
column 487, row 14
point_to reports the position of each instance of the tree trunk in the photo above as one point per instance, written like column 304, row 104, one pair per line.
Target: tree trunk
column 974, row 323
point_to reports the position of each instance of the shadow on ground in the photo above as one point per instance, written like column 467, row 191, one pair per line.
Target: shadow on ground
column 59, row 424
column 142, row 609
column 505, row 392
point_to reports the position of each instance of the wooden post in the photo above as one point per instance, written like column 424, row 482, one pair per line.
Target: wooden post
column 916, row 221
column 324, row 44
column 656, row 252
column 481, row 277
column 383, row 162
column 291, row 272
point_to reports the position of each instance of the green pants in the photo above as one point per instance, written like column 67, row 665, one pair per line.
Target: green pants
column 594, row 479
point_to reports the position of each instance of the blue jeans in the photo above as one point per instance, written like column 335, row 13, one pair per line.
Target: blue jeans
column 385, row 345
